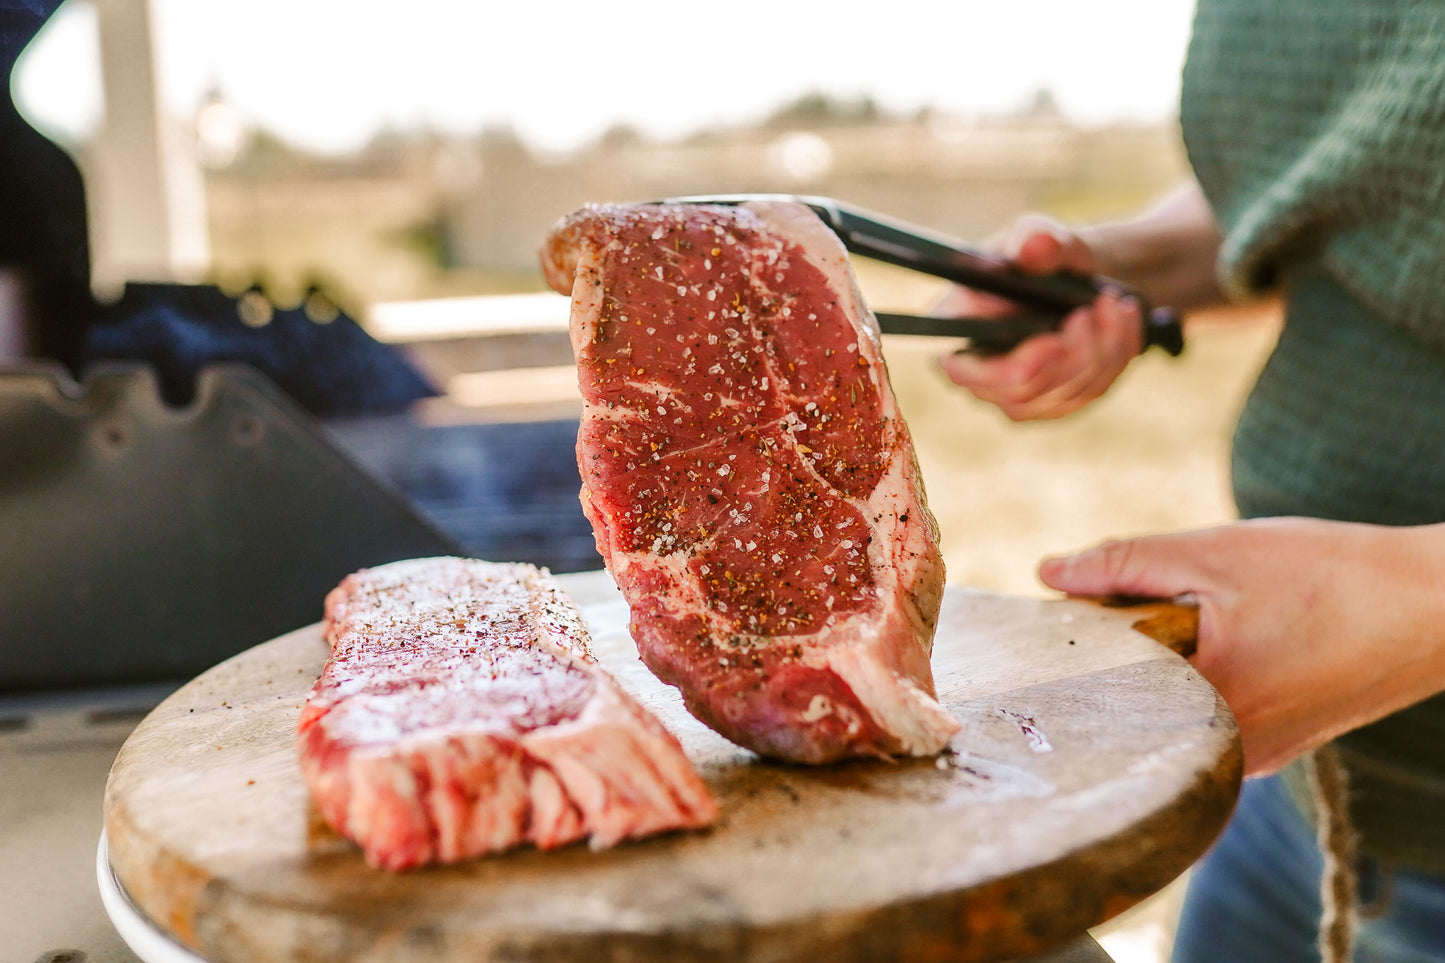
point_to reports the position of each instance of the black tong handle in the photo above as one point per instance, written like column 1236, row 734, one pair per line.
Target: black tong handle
column 989, row 336
column 1002, row 334
column 1058, row 294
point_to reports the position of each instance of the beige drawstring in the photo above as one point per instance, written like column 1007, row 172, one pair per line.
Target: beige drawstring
column 1339, row 892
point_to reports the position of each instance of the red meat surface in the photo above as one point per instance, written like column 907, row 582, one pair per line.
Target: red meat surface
column 751, row 484
column 461, row 713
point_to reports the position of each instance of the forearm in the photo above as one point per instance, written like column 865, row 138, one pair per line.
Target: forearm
column 1404, row 605
column 1359, row 635
column 1168, row 251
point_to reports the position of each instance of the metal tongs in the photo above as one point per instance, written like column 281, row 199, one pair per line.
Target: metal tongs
column 1045, row 300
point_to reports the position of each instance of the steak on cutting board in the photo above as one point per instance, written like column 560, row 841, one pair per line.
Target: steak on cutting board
column 462, row 713
column 751, row 484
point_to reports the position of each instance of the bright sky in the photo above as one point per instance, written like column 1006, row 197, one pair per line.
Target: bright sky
column 326, row 74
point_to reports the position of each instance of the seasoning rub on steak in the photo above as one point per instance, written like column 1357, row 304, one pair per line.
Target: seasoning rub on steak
column 751, row 485
column 461, row 713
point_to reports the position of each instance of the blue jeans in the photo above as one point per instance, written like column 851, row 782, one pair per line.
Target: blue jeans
column 1255, row 897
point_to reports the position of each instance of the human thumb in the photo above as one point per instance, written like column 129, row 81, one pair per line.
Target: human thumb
column 1156, row 566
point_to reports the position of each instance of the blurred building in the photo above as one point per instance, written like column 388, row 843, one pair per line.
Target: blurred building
column 964, row 177
column 410, row 212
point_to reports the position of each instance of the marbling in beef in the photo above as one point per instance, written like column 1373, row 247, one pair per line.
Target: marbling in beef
column 750, row 481
column 461, row 713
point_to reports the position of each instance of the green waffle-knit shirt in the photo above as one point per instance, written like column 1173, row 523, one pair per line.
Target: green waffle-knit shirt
column 1317, row 131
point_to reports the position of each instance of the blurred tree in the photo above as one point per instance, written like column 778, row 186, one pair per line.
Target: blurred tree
column 817, row 108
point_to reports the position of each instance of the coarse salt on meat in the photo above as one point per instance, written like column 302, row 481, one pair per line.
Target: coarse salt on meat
column 461, row 713
column 751, row 484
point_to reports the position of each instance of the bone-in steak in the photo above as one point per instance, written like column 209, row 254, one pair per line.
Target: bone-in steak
column 461, row 713
column 751, row 484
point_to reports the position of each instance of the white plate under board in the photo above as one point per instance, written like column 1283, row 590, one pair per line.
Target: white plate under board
column 146, row 940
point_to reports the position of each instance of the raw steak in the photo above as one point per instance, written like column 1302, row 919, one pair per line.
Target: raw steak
column 751, row 485
column 461, row 713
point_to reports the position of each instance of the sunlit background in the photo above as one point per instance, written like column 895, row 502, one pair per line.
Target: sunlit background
column 409, row 157
column 329, row 75
column 463, row 128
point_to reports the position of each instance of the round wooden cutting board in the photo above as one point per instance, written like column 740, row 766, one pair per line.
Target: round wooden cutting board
column 1093, row 767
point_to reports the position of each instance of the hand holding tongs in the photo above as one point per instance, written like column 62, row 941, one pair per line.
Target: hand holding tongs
column 1047, row 299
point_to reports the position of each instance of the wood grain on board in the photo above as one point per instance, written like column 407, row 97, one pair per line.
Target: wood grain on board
column 1093, row 767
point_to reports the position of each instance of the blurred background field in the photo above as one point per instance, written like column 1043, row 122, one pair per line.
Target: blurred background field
column 1151, row 455
column 418, row 210
column 386, row 226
